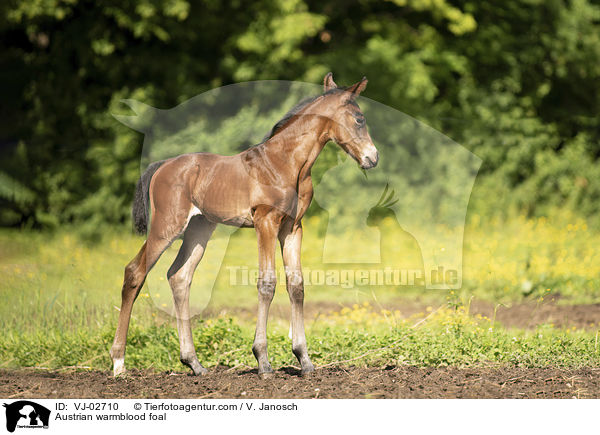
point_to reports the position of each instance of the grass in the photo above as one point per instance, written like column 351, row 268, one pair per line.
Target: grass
column 61, row 300
column 362, row 338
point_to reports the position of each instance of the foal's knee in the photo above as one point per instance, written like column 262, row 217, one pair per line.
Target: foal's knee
column 296, row 292
column 295, row 284
column 266, row 285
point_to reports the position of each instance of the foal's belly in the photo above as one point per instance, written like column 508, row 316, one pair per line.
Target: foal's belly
column 226, row 194
column 222, row 212
column 243, row 221
column 221, row 192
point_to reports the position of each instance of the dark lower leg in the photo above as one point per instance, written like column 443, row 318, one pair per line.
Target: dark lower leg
column 266, row 222
column 266, row 291
column 296, row 293
column 291, row 241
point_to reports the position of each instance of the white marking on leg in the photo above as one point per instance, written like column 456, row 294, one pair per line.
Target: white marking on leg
column 118, row 366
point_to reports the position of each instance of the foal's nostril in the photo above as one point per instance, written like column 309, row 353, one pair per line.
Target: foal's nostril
column 373, row 159
column 369, row 163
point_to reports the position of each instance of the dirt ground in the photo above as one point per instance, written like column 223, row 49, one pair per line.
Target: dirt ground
column 530, row 314
column 348, row 382
column 337, row 382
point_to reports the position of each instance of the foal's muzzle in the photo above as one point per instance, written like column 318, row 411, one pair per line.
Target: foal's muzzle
column 370, row 160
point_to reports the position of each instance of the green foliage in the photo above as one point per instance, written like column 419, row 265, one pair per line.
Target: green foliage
column 515, row 82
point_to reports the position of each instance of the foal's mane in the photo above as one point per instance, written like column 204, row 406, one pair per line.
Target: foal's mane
column 294, row 110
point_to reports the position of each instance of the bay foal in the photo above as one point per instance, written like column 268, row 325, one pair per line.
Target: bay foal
column 267, row 187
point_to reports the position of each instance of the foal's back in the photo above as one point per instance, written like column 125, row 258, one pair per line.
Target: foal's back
column 225, row 189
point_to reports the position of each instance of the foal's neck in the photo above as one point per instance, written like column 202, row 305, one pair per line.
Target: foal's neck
column 299, row 143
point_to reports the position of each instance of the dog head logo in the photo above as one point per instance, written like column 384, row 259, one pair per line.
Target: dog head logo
column 26, row 414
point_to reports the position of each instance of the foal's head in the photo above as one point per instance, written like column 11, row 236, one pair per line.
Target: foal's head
column 348, row 127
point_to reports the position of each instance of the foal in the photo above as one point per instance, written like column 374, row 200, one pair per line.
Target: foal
column 267, row 187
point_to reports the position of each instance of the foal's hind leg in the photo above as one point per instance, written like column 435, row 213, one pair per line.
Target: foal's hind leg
column 135, row 274
column 159, row 239
column 180, row 275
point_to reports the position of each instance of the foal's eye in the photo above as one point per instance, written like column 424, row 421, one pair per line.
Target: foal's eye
column 360, row 121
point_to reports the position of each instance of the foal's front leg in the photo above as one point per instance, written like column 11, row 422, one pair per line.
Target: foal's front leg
column 266, row 231
column 290, row 238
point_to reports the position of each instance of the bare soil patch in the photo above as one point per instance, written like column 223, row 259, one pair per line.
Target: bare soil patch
column 530, row 314
column 522, row 315
column 331, row 382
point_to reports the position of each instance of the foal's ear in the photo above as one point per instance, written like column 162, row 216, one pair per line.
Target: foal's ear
column 355, row 90
column 328, row 83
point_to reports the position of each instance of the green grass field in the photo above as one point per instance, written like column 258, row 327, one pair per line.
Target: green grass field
column 61, row 298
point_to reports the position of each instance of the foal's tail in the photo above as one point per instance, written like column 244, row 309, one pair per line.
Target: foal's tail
column 140, row 210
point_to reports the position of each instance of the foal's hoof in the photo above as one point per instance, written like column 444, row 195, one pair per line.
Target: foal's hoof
column 266, row 372
column 307, row 371
column 198, row 370
column 195, row 365
column 266, row 375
